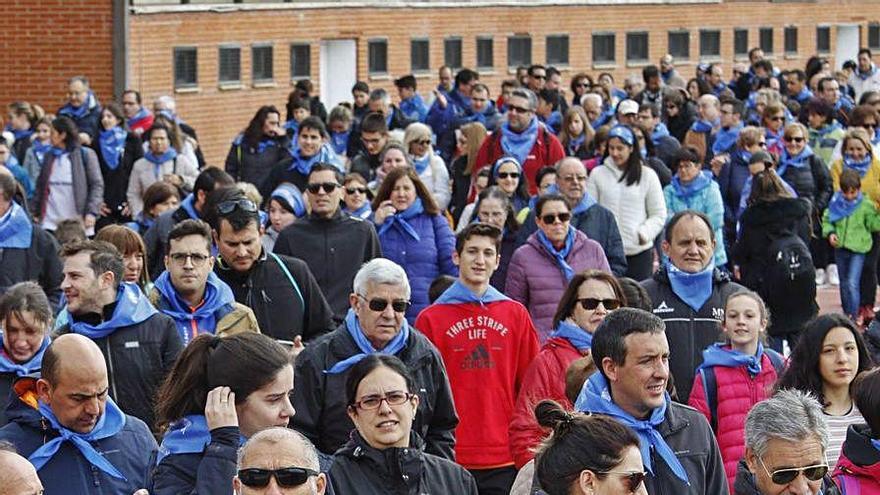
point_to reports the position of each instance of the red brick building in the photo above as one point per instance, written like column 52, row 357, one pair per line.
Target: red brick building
column 221, row 60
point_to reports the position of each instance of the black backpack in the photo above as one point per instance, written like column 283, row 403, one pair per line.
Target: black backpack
column 789, row 276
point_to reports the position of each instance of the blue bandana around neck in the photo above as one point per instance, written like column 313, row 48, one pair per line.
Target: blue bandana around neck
column 687, row 191
column 112, row 143
column 399, row 219
column 188, row 435
column 188, row 205
column 289, row 193
column 595, row 397
column 139, row 117
column 353, row 326
column 413, row 108
column 703, row 126
column 839, row 208
column 16, row 228
column 575, row 143
column 799, row 161
column 560, row 254
column 32, row 365
column 421, row 164
column 265, row 143
column 605, row 117
column 457, row 293
column 363, row 212
column 518, row 145
column 722, row 355
column 581, row 339
column 217, row 295
column 304, row 165
column 132, row 307
column 861, row 166
column 660, row 132
column 56, row 152
column 168, row 156
column 79, row 112
column 804, row 95
column 771, row 137
column 20, row 134
column 109, row 424
column 827, row 129
column 865, row 75
column 40, row 150
column 339, row 141
column 692, row 288
column 726, row 138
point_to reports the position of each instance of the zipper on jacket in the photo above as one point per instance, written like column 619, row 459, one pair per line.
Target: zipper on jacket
column 111, row 374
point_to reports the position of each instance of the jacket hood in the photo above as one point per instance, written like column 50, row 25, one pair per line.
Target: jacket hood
column 859, row 455
column 22, row 409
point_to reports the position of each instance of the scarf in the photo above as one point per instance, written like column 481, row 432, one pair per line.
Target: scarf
column 139, row 117
column 109, row 424
column 132, row 307
column 413, row 108
column 421, row 164
column 605, row 117
column 304, row 165
column 660, row 132
column 559, row 255
column 57, row 152
column 217, row 296
column 158, row 161
column 826, row 129
column 866, row 75
column 353, row 326
column 721, row 355
column 24, row 369
column 363, row 212
column 692, row 288
column 400, row 220
column 40, row 150
column 726, row 138
column 20, row 134
column 188, row 205
column 339, row 141
column 799, row 161
column 262, row 146
column 575, row 143
column 687, row 191
column 16, row 228
column 291, row 197
column 771, row 137
column 458, row 293
column 79, row 112
column 595, row 397
column 188, row 435
column 859, row 166
column 516, row 144
column 581, row 339
column 804, row 95
column 112, row 144
column 703, row 126
column 839, row 208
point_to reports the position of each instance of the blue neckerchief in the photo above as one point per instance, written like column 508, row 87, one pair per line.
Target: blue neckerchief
column 553, row 122
column 799, row 161
column 660, row 132
column 188, row 435
column 457, row 293
column 827, row 129
column 602, row 119
column 20, row 134
column 139, row 117
column 843, row 103
column 518, row 145
column 687, row 191
column 57, row 152
column 24, row 369
column 561, row 254
column 771, row 137
column 188, row 205
column 132, row 307
column 40, row 150
column 16, row 228
column 289, row 193
column 581, row 339
column 666, row 75
column 458, row 100
column 400, row 220
column 339, row 141
column 703, row 126
column 171, row 116
column 865, row 75
column 112, row 143
column 692, row 288
column 217, row 296
column 618, row 93
column 262, row 146
column 363, row 212
column 839, row 208
column 109, row 424
column 575, row 143
column 353, row 325
column 413, row 108
column 876, row 443
column 717, row 90
column 726, row 138
column 421, row 164
column 804, row 95
column 722, row 355
column 876, row 138
column 168, row 156
column 79, row 112
column 859, row 166
column 595, row 397
column 141, row 223
column 304, row 165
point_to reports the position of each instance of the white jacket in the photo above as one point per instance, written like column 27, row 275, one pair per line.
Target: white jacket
column 870, row 83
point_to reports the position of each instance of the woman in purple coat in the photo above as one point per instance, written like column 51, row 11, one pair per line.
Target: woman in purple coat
column 541, row 269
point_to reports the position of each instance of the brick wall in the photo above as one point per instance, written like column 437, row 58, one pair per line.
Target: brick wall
column 218, row 114
column 47, row 41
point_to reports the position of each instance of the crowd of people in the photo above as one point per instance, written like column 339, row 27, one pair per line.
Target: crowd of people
column 546, row 290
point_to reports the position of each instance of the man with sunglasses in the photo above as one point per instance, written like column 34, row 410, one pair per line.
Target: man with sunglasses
column 375, row 323
column 331, row 242
column 786, row 441
column 279, row 461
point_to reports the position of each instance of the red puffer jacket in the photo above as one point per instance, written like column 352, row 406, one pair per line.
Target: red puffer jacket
column 858, row 469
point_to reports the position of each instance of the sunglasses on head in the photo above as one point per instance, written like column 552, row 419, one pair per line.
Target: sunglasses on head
column 352, row 190
column 505, row 175
column 285, row 477
column 328, row 187
column 550, row 218
column 227, row 207
column 590, row 303
column 795, row 139
column 631, row 480
column 787, row 475
column 379, row 305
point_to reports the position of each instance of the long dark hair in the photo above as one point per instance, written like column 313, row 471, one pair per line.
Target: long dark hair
column 803, row 367
column 253, row 134
column 68, row 127
column 244, row 362
column 632, row 169
column 570, row 296
column 116, row 109
column 422, row 192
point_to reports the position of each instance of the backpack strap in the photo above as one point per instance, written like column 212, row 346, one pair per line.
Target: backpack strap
column 776, row 360
column 290, row 279
column 710, row 387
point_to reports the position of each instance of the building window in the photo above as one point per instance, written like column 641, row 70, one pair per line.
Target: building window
column 740, row 43
column 679, row 45
column 452, row 52
column 377, row 56
column 261, row 63
column 823, row 39
column 229, row 64
column 636, row 47
column 791, row 40
column 300, row 61
column 519, row 51
column 710, row 43
column 419, row 55
column 603, row 48
column 485, row 53
column 557, row 49
column 874, row 36
column 186, row 70
column 765, row 40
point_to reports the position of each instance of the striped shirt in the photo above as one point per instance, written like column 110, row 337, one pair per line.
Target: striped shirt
column 837, row 426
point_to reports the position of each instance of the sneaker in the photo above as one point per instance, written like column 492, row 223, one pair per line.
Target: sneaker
column 833, row 277
column 820, row 277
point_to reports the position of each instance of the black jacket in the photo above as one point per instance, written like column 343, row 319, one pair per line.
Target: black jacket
column 362, row 469
column 334, row 249
column 688, row 331
column 320, row 401
column 282, row 309
column 244, row 163
column 812, row 183
column 39, row 263
column 7, row 395
column 365, row 164
column 116, row 181
column 205, row 473
column 138, row 357
column 744, row 484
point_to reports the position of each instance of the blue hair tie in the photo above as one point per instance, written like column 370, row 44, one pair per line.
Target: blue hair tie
column 505, row 159
column 623, row 133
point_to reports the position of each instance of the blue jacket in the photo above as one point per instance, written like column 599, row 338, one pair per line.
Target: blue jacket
column 440, row 119
column 68, row 472
column 732, row 180
column 423, row 260
column 708, row 201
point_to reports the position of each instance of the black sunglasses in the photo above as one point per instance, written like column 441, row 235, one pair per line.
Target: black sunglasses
column 286, row 477
column 550, row 218
column 328, row 187
column 227, row 207
column 633, row 480
column 512, row 175
column 787, row 475
column 591, row 303
column 352, row 190
column 379, row 305
column 797, row 139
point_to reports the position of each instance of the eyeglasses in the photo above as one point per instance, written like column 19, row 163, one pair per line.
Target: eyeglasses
column 582, row 85
column 762, row 144
column 328, row 187
column 198, row 259
column 550, row 218
column 423, row 142
column 633, row 480
column 778, row 118
column 787, row 475
column 511, row 175
column 539, row 76
column 372, row 402
column 379, row 305
column 359, row 190
column 872, row 125
column 795, row 139
column 590, row 303
column 227, row 207
column 511, row 108
column 286, row 477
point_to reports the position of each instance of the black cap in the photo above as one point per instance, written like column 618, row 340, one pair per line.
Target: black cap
column 762, row 157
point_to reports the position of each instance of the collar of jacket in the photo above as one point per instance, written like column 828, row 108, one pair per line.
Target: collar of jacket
column 394, row 463
column 718, row 277
column 338, row 215
column 858, row 448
